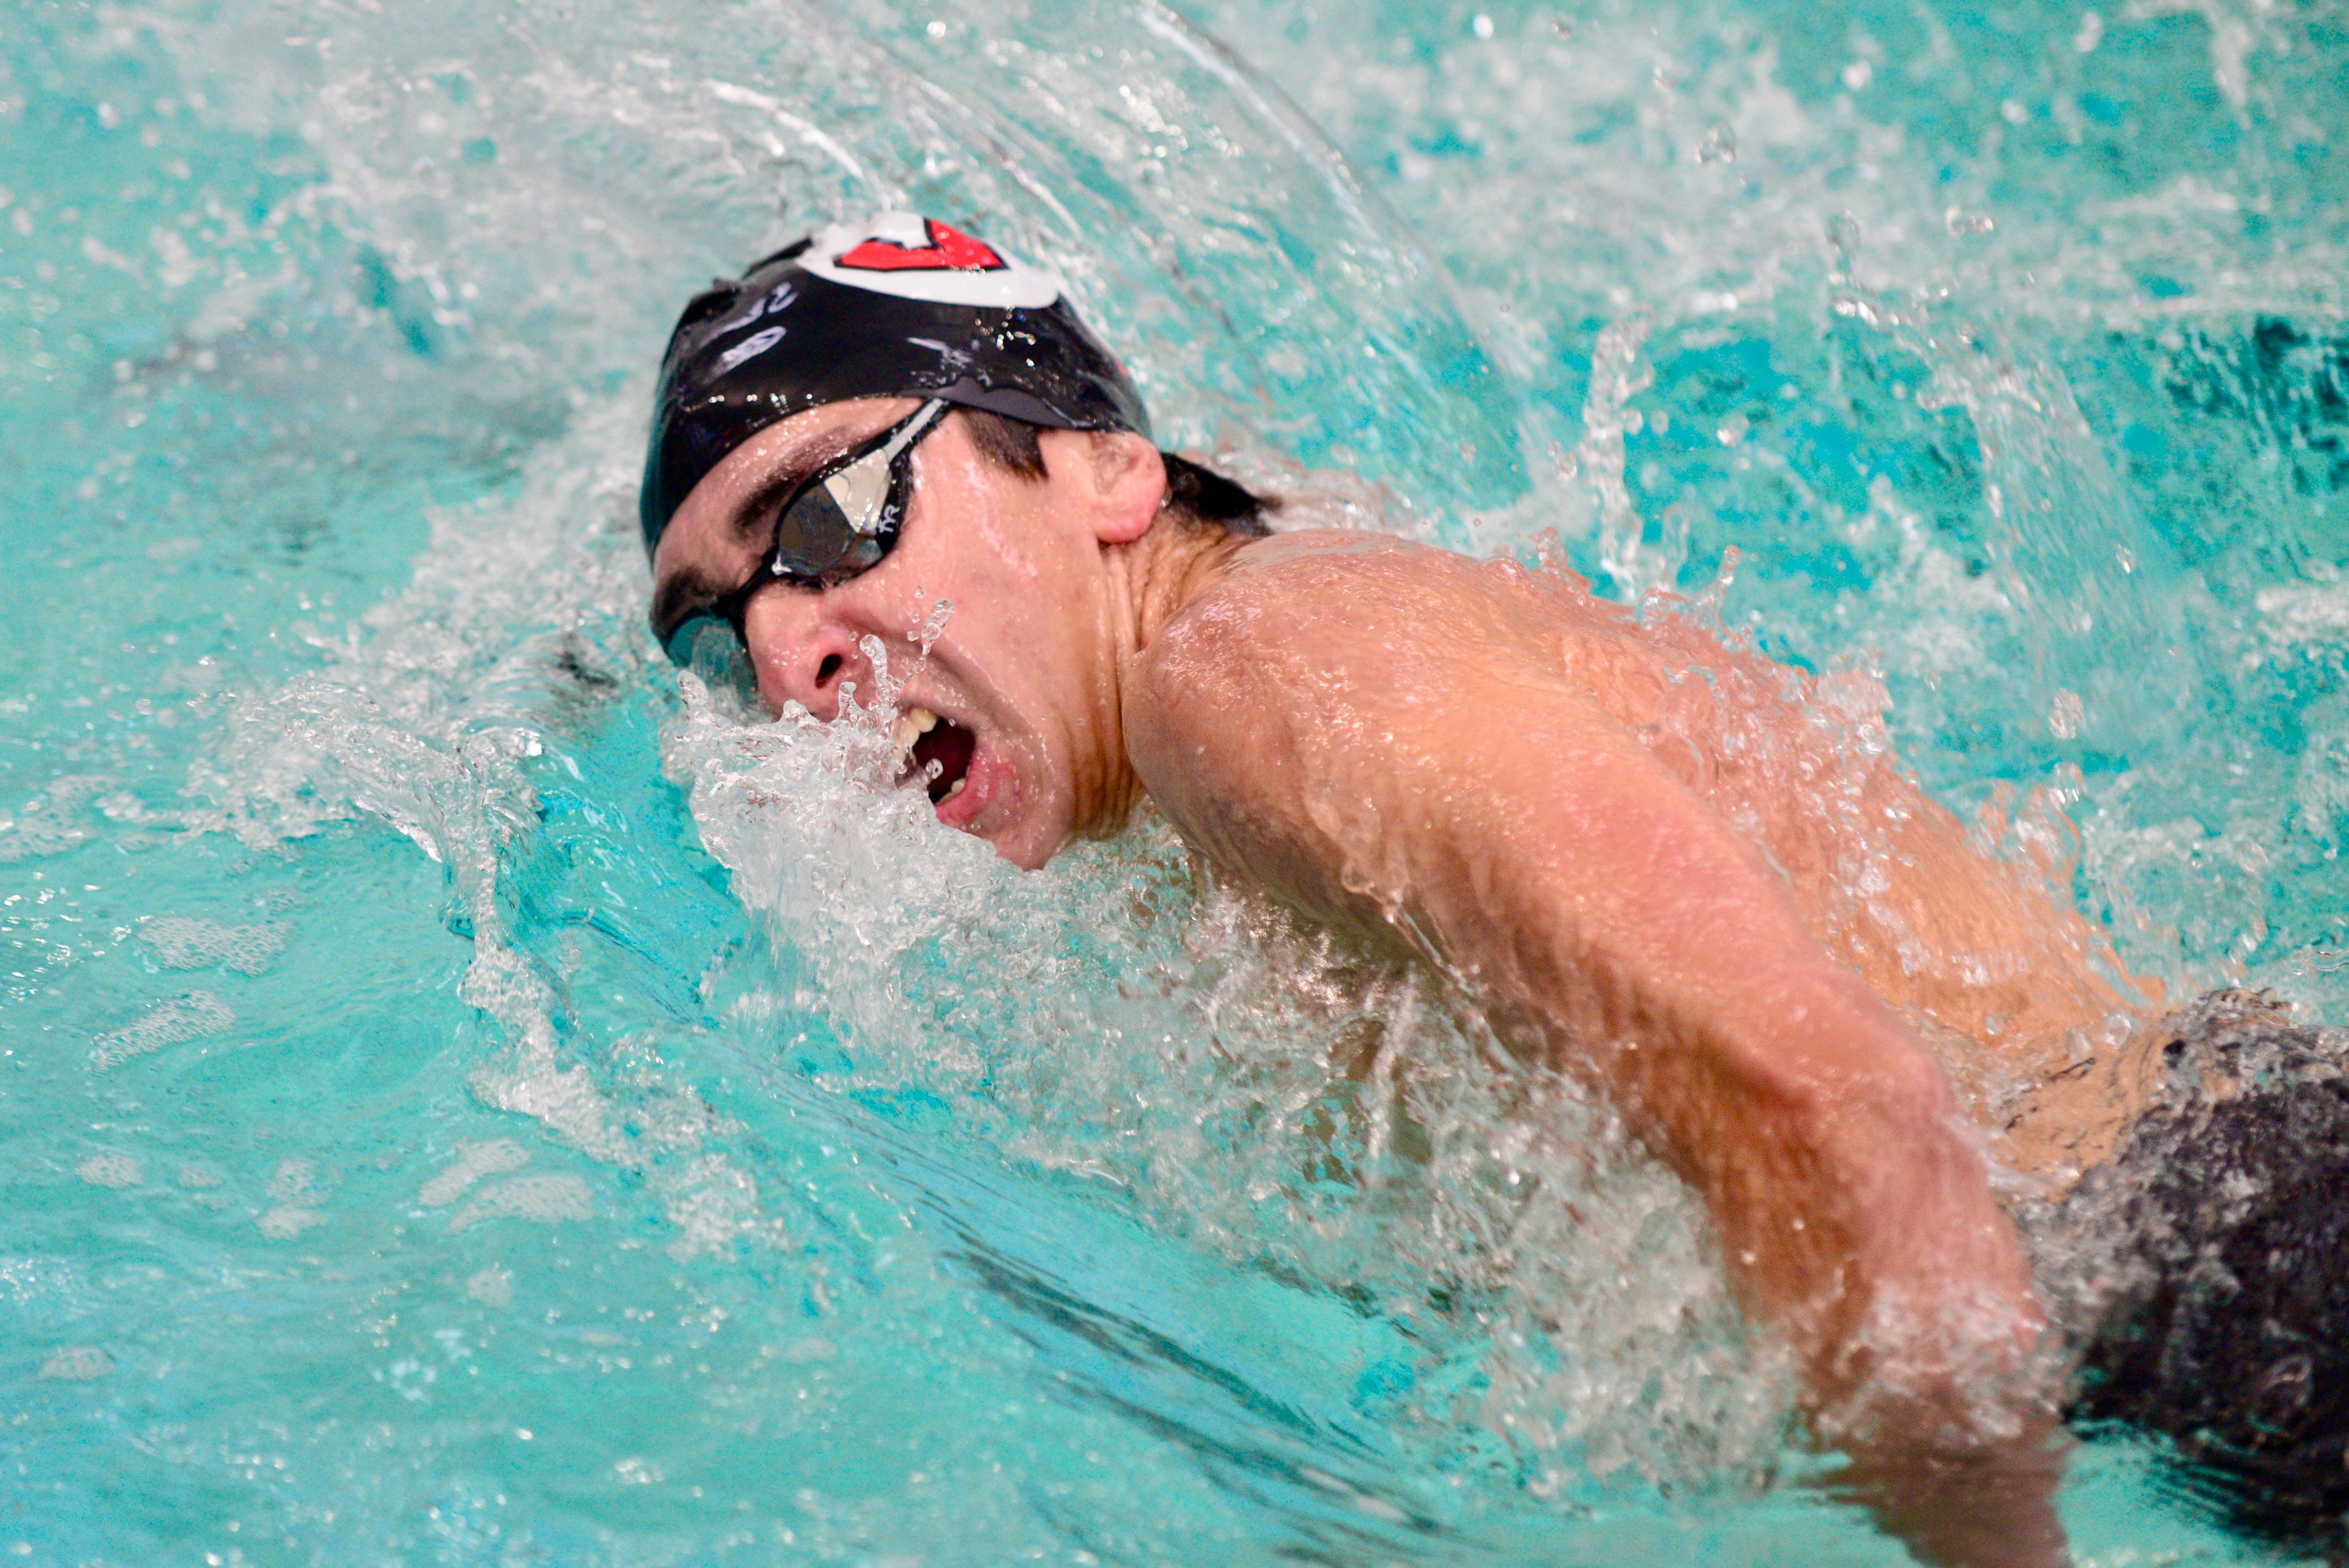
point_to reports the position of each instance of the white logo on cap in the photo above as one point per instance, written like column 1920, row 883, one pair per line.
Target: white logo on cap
column 916, row 257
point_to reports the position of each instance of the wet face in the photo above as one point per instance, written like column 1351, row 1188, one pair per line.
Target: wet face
column 1016, row 702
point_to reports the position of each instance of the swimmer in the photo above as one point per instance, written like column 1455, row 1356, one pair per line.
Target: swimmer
column 1617, row 832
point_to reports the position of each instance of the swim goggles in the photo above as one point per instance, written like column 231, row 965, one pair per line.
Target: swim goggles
column 840, row 522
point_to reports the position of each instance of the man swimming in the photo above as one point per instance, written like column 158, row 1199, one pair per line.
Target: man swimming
column 1804, row 989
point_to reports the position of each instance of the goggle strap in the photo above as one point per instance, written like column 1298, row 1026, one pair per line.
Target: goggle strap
column 911, row 430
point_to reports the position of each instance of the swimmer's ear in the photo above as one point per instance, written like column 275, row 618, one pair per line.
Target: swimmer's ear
column 1115, row 477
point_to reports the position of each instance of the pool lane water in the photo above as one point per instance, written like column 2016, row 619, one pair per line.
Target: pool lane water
column 448, row 1118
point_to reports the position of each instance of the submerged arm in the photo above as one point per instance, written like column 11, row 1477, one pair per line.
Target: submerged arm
column 1336, row 729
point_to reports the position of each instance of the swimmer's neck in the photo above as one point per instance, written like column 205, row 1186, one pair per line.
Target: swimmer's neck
column 1152, row 579
column 1145, row 583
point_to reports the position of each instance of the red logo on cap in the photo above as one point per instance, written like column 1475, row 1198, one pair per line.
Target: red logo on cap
column 948, row 249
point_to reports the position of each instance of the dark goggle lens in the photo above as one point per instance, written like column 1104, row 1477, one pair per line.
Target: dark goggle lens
column 817, row 543
column 846, row 518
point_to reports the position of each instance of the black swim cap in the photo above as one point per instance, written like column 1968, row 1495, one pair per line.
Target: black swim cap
column 900, row 305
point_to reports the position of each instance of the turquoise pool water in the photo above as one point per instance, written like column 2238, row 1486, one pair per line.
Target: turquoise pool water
column 463, row 1101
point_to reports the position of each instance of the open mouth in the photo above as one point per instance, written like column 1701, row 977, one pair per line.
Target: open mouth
column 936, row 749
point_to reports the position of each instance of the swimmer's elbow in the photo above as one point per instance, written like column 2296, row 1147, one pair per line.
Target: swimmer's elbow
column 1846, row 1075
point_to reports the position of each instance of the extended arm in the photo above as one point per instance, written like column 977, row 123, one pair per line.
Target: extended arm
column 1348, row 731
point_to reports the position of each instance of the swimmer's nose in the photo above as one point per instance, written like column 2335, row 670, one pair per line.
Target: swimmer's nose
column 801, row 654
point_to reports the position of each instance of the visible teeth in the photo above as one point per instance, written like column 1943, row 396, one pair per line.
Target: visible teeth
column 911, row 726
column 955, row 789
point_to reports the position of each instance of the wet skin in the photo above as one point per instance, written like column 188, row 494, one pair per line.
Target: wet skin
column 1711, row 901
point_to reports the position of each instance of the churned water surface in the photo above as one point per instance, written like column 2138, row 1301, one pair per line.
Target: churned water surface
column 468, row 1100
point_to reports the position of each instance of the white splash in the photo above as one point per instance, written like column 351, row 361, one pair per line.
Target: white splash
column 1256, row 1092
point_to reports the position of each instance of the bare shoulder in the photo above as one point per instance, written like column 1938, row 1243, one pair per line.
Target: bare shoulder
column 1223, row 683
column 1310, row 637
column 1230, row 712
column 1334, row 615
column 1293, row 581
column 1290, row 613
column 1311, row 716
column 1326, row 598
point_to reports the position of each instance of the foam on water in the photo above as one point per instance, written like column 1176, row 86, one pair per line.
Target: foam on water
column 117, row 1170
column 193, row 1015
column 181, row 943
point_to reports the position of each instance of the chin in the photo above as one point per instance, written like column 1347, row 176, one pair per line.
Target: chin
column 1027, row 857
column 1028, row 842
